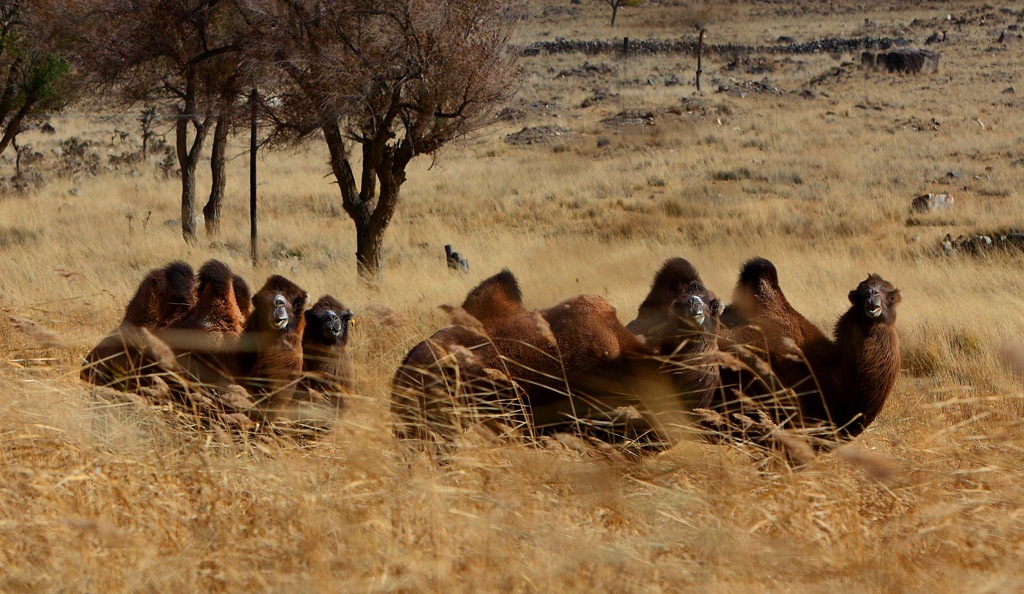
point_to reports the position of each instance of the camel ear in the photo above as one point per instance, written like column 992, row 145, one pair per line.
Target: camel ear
column 300, row 302
column 853, row 297
column 895, row 297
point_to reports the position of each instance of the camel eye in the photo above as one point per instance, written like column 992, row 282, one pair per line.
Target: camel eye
column 279, row 301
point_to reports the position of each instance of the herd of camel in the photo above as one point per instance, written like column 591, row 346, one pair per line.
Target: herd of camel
column 752, row 370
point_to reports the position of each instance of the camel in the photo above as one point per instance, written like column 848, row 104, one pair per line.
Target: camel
column 268, row 358
column 840, row 383
column 326, row 365
column 570, row 367
column 128, row 358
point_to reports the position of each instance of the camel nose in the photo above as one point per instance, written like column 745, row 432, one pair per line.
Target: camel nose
column 691, row 307
column 695, row 306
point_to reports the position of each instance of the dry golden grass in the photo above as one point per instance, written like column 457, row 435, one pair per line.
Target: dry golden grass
column 102, row 497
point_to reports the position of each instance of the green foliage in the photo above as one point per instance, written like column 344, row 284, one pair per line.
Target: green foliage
column 38, row 74
column 46, row 81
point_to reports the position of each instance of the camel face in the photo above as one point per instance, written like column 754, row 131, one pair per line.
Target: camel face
column 278, row 306
column 696, row 309
column 876, row 299
column 327, row 323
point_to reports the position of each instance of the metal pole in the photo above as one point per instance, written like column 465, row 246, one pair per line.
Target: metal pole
column 252, row 180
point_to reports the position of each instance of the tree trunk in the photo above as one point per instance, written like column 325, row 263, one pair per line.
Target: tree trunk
column 369, row 248
column 12, row 127
column 615, row 9
column 212, row 210
column 188, row 201
column 700, row 53
column 371, row 211
column 188, row 158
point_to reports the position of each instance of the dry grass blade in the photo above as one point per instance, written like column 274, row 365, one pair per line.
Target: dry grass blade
column 67, row 273
column 1012, row 355
column 795, row 446
column 386, row 316
column 878, row 466
column 39, row 334
column 460, row 317
column 544, row 329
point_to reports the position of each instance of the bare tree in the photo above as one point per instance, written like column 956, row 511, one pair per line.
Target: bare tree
column 615, row 4
column 182, row 53
column 384, row 81
column 697, row 15
column 34, row 73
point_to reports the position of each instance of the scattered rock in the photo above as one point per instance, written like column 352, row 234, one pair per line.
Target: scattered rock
column 688, row 46
column 742, row 88
column 510, row 114
column 931, row 202
column 695, row 105
column 600, row 94
column 1009, row 91
column 630, row 117
column 537, row 135
column 976, row 244
column 587, row 70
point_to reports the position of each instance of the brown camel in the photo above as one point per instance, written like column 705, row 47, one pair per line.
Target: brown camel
column 679, row 319
column 205, row 337
column 127, row 358
column 573, row 366
column 840, row 383
column 268, row 360
column 327, row 371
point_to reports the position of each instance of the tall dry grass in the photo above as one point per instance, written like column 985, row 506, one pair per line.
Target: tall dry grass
column 98, row 496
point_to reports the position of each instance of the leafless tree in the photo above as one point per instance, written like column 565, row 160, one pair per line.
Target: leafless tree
column 181, row 52
column 384, row 81
column 615, row 4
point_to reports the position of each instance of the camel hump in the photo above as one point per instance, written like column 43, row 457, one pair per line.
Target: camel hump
column 329, row 302
column 759, row 276
column 216, row 276
column 243, row 296
column 496, row 296
column 164, row 293
column 676, row 271
column 180, row 279
column 675, row 275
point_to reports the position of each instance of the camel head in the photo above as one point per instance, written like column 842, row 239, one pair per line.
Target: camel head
column 327, row 322
column 696, row 309
column 278, row 306
column 876, row 299
column 693, row 321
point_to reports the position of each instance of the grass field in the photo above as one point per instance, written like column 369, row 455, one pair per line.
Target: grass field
column 102, row 497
